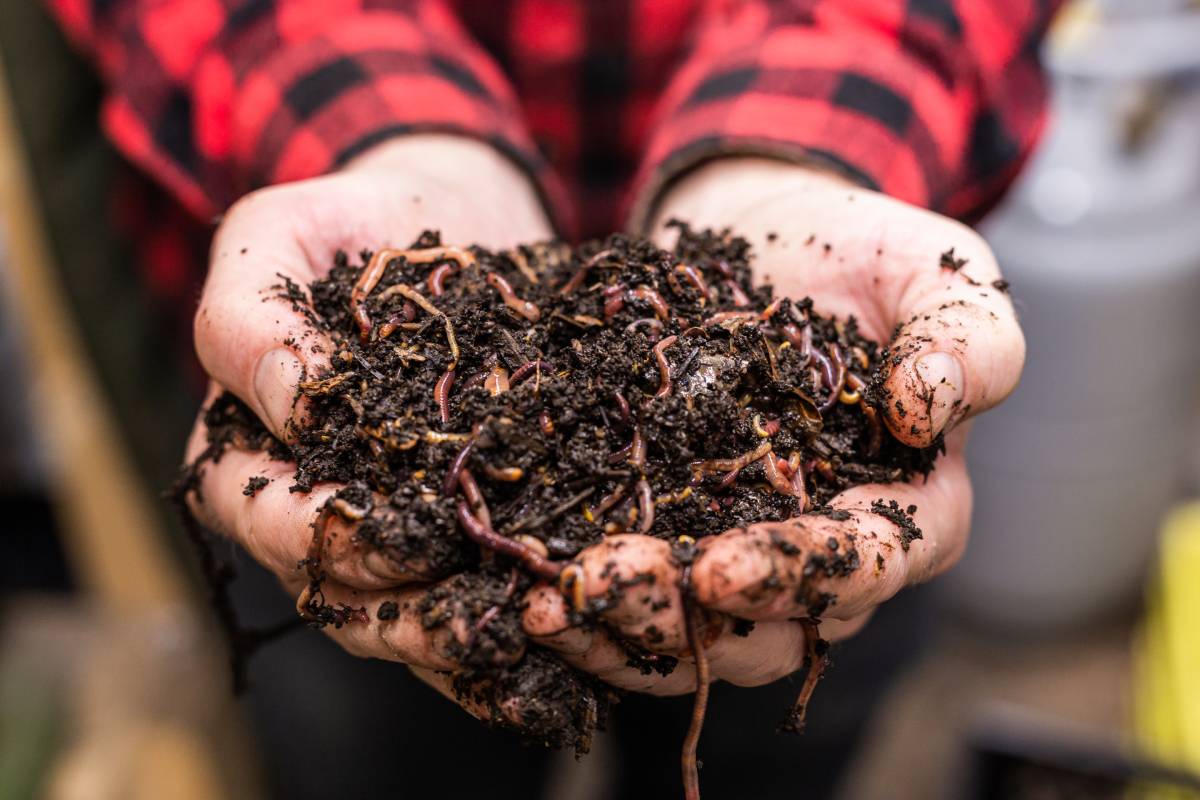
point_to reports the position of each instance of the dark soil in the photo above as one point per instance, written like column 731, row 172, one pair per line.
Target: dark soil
column 619, row 388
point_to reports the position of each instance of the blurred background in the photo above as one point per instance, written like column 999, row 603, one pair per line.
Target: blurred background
column 1060, row 660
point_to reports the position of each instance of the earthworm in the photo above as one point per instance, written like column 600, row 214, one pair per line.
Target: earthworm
column 608, row 501
column 482, row 534
column 346, row 511
column 852, row 390
column 441, row 391
column 617, row 456
column 577, row 279
column 509, row 590
column 614, row 300
column 466, row 481
column 310, row 605
column 637, row 450
column 774, row 477
column 691, row 774
column 437, row 278
column 722, row 317
column 799, row 486
column 837, row 380
column 651, row 296
column 645, row 496
column 623, row 405
column 366, row 284
column 497, row 381
column 731, row 464
column 815, row 659
column 378, row 264
column 523, row 307
column 664, row 367
column 451, row 481
column 475, row 380
column 521, row 372
column 546, row 424
column 739, row 297
column 694, row 278
column 801, row 339
column 420, row 299
column 651, row 322
column 503, row 474
column 876, row 440
column 724, row 268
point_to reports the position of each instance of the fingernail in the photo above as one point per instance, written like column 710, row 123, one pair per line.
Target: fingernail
column 276, row 381
column 942, row 373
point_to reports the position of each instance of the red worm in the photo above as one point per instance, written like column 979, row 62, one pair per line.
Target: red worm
column 497, row 381
column 456, row 467
column 614, row 300
column 650, row 322
column 834, row 370
column 637, row 452
column 577, row 279
column 695, row 278
column 442, row 392
column 645, row 496
column 483, row 535
column 438, row 277
column 739, row 297
column 648, row 295
column 609, row 501
column 774, row 477
column 623, row 405
column 366, row 283
column 523, row 371
column 726, row 316
column 474, row 496
column 523, row 307
column 664, row 367
column 545, row 422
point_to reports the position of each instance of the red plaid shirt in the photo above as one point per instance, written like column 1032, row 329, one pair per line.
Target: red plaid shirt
column 933, row 101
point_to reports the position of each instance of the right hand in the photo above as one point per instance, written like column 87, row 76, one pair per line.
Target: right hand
column 257, row 346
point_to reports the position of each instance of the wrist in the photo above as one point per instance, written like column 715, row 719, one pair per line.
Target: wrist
column 470, row 171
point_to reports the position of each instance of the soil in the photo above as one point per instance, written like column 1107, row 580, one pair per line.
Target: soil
column 493, row 414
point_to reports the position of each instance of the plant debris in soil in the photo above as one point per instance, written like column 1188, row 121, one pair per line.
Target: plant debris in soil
column 493, row 414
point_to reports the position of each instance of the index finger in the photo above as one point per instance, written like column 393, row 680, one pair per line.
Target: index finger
column 959, row 350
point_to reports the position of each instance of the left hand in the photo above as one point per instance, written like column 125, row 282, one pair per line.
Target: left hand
column 855, row 252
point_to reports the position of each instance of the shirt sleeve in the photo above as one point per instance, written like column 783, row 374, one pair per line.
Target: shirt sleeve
column 217, row 97
column 936, row 102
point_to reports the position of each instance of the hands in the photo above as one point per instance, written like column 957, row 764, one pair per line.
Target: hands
column 855, row 252
column 260, row 347
column 960, row 352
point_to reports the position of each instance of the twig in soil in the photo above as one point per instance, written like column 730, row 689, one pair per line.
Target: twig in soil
column 482, row 534
column 539, row 520
column 688, row 763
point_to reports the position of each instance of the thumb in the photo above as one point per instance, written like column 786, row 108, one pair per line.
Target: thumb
column 252, row 330
column 959, row 350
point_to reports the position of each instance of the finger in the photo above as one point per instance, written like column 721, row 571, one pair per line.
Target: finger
column 629, row 581
column 252, row 334
column 394, row 625
column 840, row 565
column 960, row 347
column 277, row 526
column 613, row 663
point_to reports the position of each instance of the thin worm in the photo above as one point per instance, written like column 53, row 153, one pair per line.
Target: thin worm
column 482, row 534
column 577, row 279
column 474, row 496
column 523, row 371
column 441, row 391
column 664, row 367
column 523, row 307
column 651, row 296
column 691, row 774
column 645, row 497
